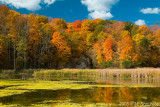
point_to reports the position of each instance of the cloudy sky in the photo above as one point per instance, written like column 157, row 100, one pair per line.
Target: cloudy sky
column 138, row 11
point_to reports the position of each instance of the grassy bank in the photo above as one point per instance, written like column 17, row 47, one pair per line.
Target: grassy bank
column 12, row 74
column 142, row 73
column 147, row 73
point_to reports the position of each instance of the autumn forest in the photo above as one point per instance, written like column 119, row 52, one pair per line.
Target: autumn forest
column 39, row 42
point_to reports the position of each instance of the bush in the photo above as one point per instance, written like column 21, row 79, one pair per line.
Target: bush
column 107, row 64
column 20, row 63
column 127, row 64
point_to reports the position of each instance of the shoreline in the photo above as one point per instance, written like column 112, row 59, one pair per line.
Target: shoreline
column 142, row 73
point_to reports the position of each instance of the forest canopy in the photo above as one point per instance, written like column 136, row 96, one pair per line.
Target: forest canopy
column 35, row 41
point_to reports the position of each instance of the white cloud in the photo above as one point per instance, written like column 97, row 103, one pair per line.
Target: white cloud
column 140, row 22
column 27, row 4
column 150, row 11
column 99, row 8
column 49, row 1
column 100, row 14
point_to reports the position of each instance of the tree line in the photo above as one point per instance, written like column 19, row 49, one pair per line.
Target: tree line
column 35, row 41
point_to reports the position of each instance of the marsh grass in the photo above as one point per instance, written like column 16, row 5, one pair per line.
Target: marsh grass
column 82, row 74
column 71, row 74
column 146, row 73
column 126, row 75
column 21, row 74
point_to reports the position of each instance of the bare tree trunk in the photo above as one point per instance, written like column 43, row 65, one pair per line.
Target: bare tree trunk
column 34, row 59
column 14, row 55
column 24, row 67
column 9, row 53
column 25, row 58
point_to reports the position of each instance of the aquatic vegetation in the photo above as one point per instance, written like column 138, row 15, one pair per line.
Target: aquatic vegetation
column 12, row 87
column 81, row 74
column 61, row 104
column 93, row 74
column 126, row 75
column 8, row 92
column 18, row 87
column 71, row 82
column 4, row 83
column 90, row 97
column 68, row 104
column 51, row 85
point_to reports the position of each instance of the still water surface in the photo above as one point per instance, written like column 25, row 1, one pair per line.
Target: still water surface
column 69, row 93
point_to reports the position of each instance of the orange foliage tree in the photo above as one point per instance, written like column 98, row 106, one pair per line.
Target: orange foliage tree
column 104, row 52
column 41, row 42
column 63, row 49
column 108, row 52
column 126, row 50
column 77, row 25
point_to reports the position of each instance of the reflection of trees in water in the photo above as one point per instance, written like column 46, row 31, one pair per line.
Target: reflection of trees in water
column 84, row 95
column 53, row 104
column 115, row 95
column 104, row 95
column 60, row 96
column 75, row 96
column 109, row 95
column 126, row 94
column 81, row 96
column 63, row 95
column 151, row 95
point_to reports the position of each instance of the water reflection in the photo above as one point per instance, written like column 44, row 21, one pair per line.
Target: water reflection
column 104, row 80
column 106, row 95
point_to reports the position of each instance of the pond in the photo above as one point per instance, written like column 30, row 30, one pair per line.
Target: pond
column 78, row 93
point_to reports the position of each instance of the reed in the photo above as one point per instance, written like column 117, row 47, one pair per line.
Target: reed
column 72, row 74
column 146, row 73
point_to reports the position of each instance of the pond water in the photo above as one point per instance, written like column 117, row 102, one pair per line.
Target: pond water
column 75, row 93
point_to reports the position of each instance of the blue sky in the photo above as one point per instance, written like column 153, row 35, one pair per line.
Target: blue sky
column 138, row 11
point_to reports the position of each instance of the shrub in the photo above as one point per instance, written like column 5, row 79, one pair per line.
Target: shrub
column 107, row 64
column 127, row 64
